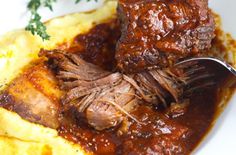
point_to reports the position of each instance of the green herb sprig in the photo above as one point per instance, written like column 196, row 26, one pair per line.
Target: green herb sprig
column 35, row 25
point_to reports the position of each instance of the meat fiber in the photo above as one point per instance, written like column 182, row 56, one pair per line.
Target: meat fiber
column 160, row 32
column 102, row 96
column 106, row 98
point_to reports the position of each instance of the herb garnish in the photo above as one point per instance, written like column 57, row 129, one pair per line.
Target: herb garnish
column 35, row 25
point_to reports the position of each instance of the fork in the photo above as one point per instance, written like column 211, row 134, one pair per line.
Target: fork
column 207, row 71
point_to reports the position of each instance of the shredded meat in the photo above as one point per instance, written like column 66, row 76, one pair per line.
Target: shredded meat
column 107, row 98
column 103, row 97
column 160, row 32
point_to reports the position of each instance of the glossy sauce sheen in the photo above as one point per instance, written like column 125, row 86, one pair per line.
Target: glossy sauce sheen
column 160, row 134
column 141, row 139
column 159, row 32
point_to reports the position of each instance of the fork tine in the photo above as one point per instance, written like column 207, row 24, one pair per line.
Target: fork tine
column 194, row 70
column 184, row 65
column 198, row 87
column 196, row 78
column 196, row 73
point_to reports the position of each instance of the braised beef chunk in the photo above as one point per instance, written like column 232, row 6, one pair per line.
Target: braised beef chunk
column 159, row 32
column 107, row 98
column 104, row 97
column 35, row 96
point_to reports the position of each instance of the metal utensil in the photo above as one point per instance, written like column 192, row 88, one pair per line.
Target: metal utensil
column 208, row 71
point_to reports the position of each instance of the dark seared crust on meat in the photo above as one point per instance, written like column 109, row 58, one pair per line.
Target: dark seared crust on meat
column 159, row 32
column 106, row 98
column 35, row 96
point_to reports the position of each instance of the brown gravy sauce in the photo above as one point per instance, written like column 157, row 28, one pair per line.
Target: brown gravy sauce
column 142, row 139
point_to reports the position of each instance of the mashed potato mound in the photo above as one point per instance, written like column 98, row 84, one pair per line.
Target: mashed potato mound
column 17, row 49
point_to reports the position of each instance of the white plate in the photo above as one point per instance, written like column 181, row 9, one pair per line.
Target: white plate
column 221, row 140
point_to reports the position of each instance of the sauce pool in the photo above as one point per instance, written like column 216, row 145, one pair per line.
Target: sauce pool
column 161, row 134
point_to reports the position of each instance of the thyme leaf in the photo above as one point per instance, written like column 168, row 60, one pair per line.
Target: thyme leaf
column 35, row 25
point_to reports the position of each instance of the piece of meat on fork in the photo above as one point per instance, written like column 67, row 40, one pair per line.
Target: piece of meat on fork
column 106, row 98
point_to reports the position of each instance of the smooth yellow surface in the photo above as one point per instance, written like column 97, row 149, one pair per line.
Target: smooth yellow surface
column 17, row 49
column 20, row 137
